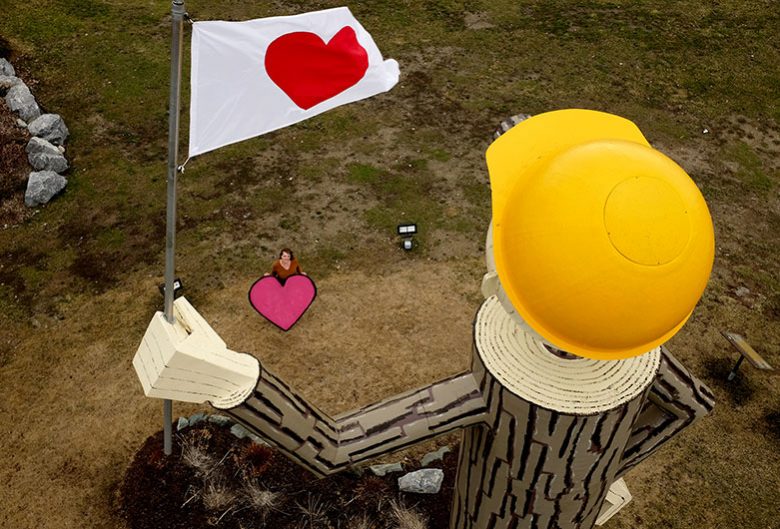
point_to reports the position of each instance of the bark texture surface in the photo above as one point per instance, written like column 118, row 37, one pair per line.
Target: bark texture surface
column 325, row 445
column 528, row 459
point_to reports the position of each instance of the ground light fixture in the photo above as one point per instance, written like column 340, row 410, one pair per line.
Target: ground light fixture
column 178, row 286
column 406, row 231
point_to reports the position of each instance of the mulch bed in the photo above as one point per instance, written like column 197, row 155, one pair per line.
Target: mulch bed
column 14, row 169
column 214, row 479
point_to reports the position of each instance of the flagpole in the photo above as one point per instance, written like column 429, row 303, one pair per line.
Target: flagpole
column 178, row 12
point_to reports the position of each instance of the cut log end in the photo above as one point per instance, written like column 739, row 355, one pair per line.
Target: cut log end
column 581, row 386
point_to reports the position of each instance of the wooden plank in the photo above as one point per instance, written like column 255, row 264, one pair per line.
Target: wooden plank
column 744, row 348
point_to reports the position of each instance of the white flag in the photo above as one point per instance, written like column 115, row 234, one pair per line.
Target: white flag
column 253, row 77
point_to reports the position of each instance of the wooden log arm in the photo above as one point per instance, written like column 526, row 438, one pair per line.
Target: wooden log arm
column 186, row 360
column 676, row 400
column 325, row 445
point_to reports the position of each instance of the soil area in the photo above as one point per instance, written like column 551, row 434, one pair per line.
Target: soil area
column 215, row 479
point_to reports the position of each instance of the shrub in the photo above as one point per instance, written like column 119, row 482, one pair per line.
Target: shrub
column 262, row 500
column 217, row 495
column 195, row 456
column 254, row 459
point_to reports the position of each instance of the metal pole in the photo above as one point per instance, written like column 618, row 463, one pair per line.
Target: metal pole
column 733, row 372
column 178, row 12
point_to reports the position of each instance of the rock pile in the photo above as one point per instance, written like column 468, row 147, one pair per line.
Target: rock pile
column 46, row 148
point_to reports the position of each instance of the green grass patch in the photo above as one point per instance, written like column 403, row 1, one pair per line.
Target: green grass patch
column 440, row 155
column 314, row 172
column 33, row 277
column 328, row 256
column 762, row 278
column 750, row 171
column 359, row 173
column 111, row 238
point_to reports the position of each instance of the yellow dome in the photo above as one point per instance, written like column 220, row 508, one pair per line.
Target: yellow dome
column 602, row 244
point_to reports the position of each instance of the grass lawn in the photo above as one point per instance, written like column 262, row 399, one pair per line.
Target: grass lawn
column 78, row 277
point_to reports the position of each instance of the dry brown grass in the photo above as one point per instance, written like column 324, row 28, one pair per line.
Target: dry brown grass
column 217, row 495
column 313, row 513
column 404, row 517
column 360, row 522
column 193, row 454
column 261, row 500
column 254, row 459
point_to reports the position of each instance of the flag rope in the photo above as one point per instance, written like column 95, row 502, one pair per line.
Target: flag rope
column 181, row 167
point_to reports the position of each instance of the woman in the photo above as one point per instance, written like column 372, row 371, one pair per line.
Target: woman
column 285, row 266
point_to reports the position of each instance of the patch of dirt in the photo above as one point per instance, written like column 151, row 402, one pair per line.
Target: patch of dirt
column 764, row 138
column 214, row 479
column 477, row 21
column 97, row 264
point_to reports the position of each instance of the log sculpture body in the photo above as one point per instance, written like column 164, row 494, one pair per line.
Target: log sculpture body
column 556, row 432
column 544, row 436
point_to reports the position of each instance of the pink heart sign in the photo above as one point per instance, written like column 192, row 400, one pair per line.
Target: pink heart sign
column 282, row 305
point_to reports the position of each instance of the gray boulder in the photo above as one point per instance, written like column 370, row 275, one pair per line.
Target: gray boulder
column 42, row 186
column 6, row 68
column 20, row 100
column 219, row 420
column 44, row 156
column 196, row 418
column 39, row 145
column 425, row 481
column 257, row 440
column 7, row 82
column 239, row 431
column 48, row 162
column 438, row 455
column 381, row 470
column 182, row 424
column 50, row 127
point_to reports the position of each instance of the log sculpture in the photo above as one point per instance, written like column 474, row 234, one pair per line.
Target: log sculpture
column 544, row 437
column 545, row 432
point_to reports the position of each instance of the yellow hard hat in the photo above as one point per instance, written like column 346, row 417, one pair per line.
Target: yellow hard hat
column 602, row 243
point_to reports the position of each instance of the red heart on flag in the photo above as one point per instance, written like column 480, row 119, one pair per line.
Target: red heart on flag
column 282, row 305
column 310, row 71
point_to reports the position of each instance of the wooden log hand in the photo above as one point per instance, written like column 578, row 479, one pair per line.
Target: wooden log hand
column 187, row 361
